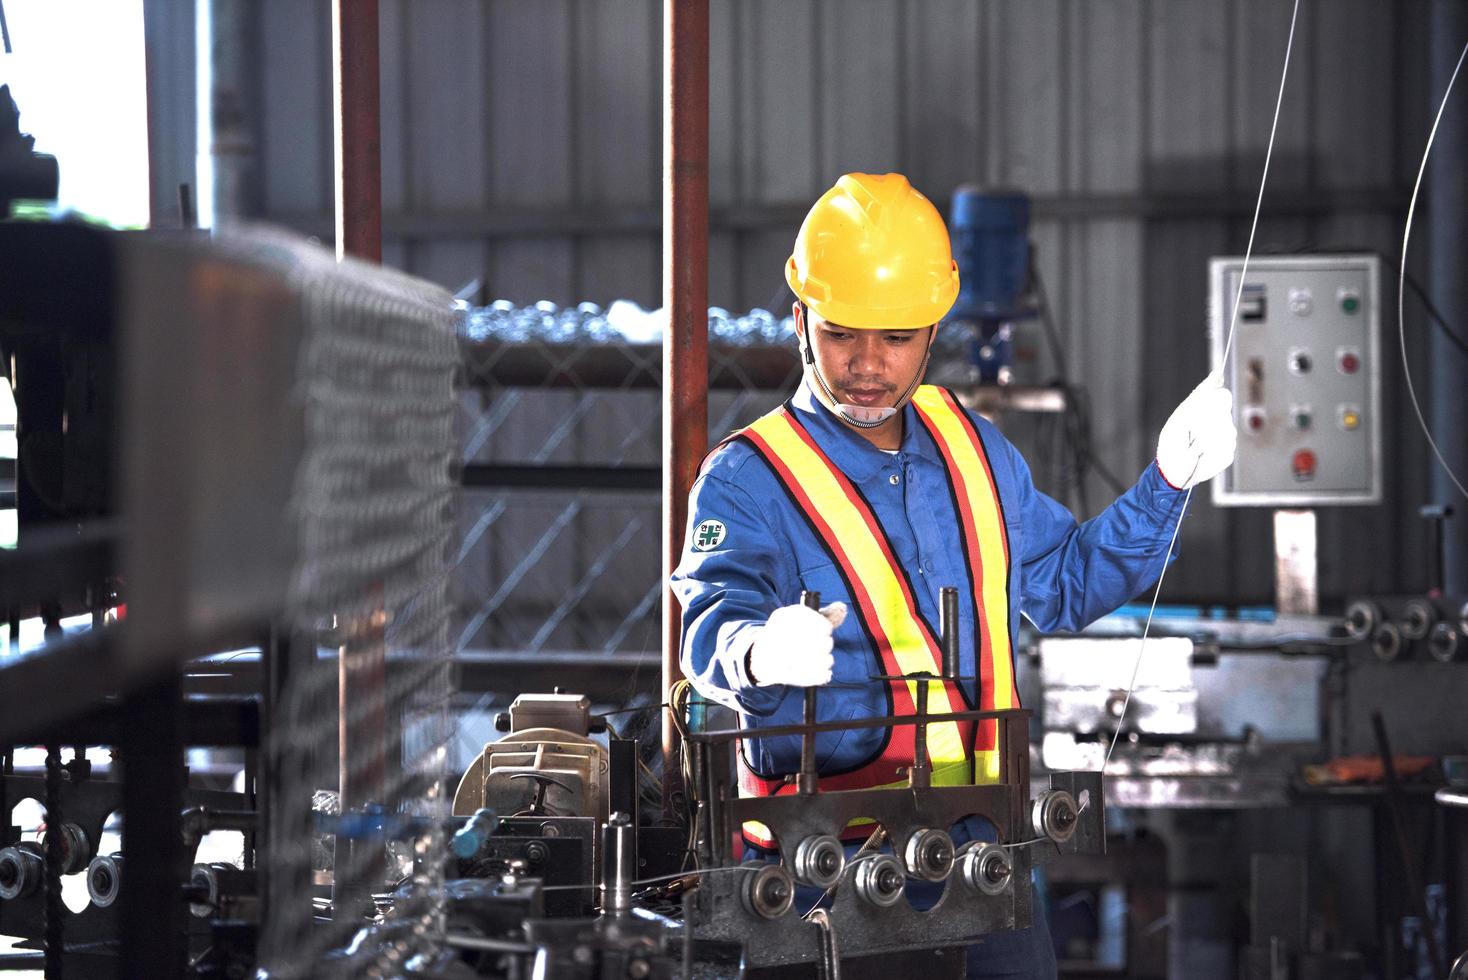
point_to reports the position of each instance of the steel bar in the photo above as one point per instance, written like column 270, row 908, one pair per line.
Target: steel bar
column 884, row 721
column 152, row 917
column 809, row 777
column 357, row 128
column 235, row 76
column 920, row 776
column 948, row 630
column 1416, row 896
column 498, row 476
column 493, row 363
column 685, row 298
column 1203, row 203
column 49, row 562
column 53, row 911
column 1442, row 241
column 73, row 673
column 362, row 750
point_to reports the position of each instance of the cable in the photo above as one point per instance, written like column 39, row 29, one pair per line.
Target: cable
column 867, row 850
column 1433, row 313
column 668, row 877
column 1402, row 277
column 1076, row 419
column 1227, row 346
column 1435, row 316
column 1040, row 840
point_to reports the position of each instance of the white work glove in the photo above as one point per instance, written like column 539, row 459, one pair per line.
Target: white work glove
column 794, row 646
column 1200, row 437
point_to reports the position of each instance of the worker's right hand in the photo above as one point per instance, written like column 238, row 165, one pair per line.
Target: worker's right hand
column 794, row 646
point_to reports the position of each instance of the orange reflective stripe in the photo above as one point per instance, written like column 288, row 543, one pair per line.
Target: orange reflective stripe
column 883, row 597
column 986, row 545
column 883, row 593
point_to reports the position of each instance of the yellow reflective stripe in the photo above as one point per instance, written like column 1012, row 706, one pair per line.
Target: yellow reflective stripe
column 989, row 525
column 875, row 572
column 947, row 775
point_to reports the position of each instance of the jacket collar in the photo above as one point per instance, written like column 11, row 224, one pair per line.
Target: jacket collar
column 857, row 457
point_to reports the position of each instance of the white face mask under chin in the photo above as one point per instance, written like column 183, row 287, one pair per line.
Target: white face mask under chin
column 862, row 416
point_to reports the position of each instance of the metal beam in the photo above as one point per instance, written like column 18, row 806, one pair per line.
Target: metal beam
column 612, row 220
column 685, row 297
column 498, row 476
column 356, row 128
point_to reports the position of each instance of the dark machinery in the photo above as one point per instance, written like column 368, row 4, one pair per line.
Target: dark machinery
column 733, row 916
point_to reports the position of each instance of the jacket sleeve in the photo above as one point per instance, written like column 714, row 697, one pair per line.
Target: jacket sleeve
column 727, row 590
column 1073, row 574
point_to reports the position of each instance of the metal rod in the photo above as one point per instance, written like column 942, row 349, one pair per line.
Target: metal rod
column 809, row 778
column 948, row 630
column 619, row 863
column 237, row 192
column 920, row 776
column 52, row 910
column 151, row 919
column 881, row 721
column 188, row 217
column 362, row 750
column 685, row 297
column 1405, row 850
column 718, row 840
column 356, row 128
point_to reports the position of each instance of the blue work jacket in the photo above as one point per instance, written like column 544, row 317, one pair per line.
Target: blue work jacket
column 1062, row 576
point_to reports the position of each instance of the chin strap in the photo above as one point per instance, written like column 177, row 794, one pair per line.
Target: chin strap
column 857, row 416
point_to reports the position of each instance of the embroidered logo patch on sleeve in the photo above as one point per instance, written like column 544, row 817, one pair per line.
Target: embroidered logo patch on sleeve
column 708, row 535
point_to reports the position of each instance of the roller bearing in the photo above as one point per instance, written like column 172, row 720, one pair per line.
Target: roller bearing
column 104, row 879
column 1054, row 815
column 819, row 861
column 1444, row 643
column 1418, row 617
column 770, row 892
column 929, row 854
column 986, row 868
column 21, row 871
column 1361, row 619
column 879, row 880
column 1387, row 643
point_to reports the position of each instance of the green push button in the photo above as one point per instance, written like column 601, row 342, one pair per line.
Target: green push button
column 1350, row 303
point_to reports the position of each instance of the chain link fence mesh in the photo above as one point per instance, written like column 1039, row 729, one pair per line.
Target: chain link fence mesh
column 372, row 509
column 558, row 567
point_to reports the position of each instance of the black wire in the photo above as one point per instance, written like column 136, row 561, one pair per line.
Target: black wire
column 1076, row 421
column 5, row 28
column 1435, row 316
column 1412, row 281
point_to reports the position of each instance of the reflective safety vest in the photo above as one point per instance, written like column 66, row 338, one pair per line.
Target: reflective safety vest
column 885, row 607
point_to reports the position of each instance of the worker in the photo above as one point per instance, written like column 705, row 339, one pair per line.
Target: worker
column 876, row 491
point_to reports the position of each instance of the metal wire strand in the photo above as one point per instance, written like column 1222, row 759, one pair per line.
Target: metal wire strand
column 1402, row 279
column 1227, row 346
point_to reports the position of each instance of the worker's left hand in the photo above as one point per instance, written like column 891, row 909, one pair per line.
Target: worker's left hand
column 1200, row 437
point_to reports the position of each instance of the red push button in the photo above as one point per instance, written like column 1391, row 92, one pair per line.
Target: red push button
column 1350, row 362
column 1304, row 464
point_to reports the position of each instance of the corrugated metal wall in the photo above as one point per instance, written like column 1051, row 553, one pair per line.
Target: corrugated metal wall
column 521, row 147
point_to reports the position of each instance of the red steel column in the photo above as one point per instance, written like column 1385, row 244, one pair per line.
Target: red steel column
column 356, row 128
column 362, row 658
column 685, row 300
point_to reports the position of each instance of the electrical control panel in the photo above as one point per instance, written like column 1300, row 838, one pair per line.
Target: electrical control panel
column 1305, row 370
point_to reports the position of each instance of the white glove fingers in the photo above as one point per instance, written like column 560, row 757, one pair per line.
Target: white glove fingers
column 835, row 613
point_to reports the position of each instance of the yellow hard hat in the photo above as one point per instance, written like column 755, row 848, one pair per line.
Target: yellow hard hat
column 874, row 253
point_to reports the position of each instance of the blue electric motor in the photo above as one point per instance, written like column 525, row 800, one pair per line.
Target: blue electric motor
column 991, row 244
